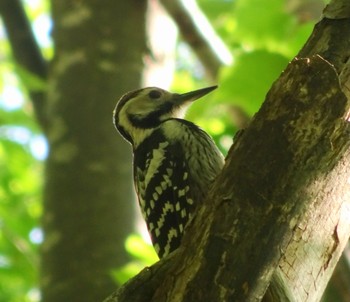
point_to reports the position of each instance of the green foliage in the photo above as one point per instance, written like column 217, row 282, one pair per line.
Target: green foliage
column 31, row 81
column 248, row 80
column 20, row 183
column 19, row 213
column 143, row 255
column 262, row 36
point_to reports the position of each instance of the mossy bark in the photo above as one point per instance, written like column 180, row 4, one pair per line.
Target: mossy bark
column 88, row 204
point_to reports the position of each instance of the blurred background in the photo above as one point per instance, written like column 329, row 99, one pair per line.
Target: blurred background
column 70, row 228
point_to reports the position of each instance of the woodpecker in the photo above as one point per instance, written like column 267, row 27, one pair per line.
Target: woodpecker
column 175, row 162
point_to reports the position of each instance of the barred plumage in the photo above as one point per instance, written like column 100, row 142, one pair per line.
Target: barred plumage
column 175, row 162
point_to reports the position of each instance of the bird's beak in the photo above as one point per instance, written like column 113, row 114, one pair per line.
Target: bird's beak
column 194, row 95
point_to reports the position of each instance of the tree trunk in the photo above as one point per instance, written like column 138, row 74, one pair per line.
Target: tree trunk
column 88, row 207
column 282, row 198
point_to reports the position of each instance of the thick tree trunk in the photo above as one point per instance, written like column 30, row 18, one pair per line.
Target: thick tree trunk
column 323, row 231
column 88, row 207
column 283, row 196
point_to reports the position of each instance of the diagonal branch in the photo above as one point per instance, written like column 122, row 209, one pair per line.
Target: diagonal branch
column 194, row 36
column 25, row 49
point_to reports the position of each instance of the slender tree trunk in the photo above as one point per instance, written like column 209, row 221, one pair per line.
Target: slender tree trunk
column 88, row 208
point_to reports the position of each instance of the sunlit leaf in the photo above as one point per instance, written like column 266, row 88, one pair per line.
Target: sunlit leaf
column 139, row 249
column 143, row 255
column 247, row 82
column 31, row 81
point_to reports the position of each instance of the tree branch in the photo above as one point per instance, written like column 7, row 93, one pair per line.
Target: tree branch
column 25, row 49
column 191, row 33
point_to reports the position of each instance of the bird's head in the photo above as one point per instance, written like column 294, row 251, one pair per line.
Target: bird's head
column 138, row 112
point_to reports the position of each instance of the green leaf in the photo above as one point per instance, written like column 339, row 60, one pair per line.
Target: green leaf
column 31, row 81
column 263, row 24
column 246, row 83
column 139, row 249
column 143, row 255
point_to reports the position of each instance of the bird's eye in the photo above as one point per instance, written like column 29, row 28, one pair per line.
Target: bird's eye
column 154, row 94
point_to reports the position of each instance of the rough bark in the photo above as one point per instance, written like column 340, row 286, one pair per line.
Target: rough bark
column 323, row 231
column 88, row 205
column 338, row 288
column 283, row 196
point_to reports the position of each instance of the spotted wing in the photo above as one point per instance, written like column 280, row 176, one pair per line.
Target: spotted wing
column 162, row 184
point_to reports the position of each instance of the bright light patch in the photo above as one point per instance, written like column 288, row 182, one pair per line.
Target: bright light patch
column 37, row 143
column 4, row 261
column 34, row 295
column 137, row 247
column 11, row 98
column 208, row 32
column 226, row 141
column 216, row 126
column 39, row 147
column 42, row 28
column 36, row 236
column 34, row 3
column 16, row 134
column 213, row 126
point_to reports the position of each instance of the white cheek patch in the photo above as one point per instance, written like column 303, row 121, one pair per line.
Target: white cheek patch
column 123, row 119
column 137, row 107
column 137, row 135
